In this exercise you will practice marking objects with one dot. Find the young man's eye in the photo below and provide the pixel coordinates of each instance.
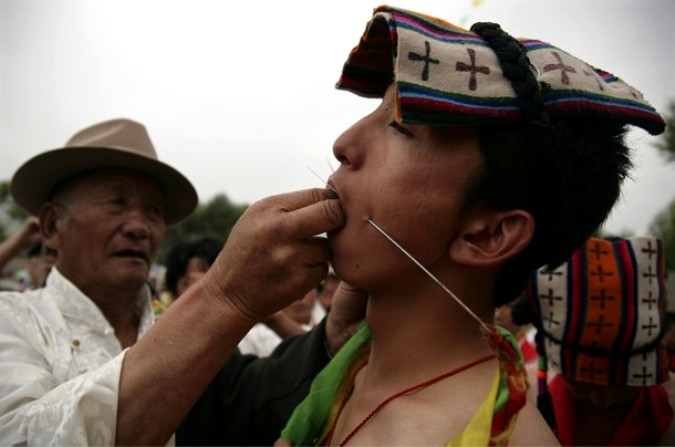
(402, 130)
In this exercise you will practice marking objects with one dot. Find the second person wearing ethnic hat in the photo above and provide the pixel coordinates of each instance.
(603, 378)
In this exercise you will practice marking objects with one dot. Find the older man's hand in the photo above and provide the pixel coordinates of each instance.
(273, 255)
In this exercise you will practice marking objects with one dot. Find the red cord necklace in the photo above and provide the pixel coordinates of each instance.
(424, 384)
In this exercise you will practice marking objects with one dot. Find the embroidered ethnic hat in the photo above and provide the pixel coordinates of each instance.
(602, 313)
(118, 143)
(446, 75)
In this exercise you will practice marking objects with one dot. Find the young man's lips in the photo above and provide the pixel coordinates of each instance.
(330, 185)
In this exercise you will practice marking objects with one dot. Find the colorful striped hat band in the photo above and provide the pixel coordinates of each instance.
(447, 75)
(602, 313)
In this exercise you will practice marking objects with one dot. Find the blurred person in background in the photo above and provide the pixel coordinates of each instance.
(602, 376)
(40, 261)
(27, 236)
(186, 262)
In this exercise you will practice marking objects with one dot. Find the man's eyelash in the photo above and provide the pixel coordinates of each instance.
(396, 125)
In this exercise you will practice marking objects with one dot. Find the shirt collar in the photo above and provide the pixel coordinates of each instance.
(76, 305)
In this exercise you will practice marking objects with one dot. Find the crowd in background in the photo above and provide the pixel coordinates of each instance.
(280, 334)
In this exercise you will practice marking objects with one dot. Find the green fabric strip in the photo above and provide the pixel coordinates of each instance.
(306, 422)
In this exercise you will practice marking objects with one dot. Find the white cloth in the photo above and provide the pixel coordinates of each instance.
(260, 340)
(60, 365)
(318, 313)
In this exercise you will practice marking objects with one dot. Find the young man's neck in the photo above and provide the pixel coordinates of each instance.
(428, 326)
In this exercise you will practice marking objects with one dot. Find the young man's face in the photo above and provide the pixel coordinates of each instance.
(409, 179)
(109, 226)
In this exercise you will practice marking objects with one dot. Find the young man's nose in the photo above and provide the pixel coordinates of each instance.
(349, 148)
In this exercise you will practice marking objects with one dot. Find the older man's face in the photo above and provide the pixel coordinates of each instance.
(109, 224)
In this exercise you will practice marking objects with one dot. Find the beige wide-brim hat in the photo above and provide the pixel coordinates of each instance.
(118, 143)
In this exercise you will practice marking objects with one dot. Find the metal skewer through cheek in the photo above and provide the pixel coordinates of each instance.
(412, 258)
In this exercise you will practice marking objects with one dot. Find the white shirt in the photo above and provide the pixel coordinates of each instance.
(60, 366)
(260, 340)
(318, 313)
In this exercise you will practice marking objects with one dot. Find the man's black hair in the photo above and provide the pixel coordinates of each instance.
(566, 172)
(180, 254)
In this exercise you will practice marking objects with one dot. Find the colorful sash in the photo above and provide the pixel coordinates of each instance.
(492, 424)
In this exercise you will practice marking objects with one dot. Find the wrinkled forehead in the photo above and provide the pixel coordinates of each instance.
(98, 182)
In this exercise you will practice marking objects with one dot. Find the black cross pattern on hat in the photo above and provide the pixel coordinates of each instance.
(550, 320)
(602, 297)
(601, 273)
(649, 250)
(649, 274)
(597, 252)
(650, 326)
(599, 325)
(649, 301)
(644, 376)
(550, 297)
(550, 273)
(598, 81)
(426, 58)
(564, 69)
(473, 69)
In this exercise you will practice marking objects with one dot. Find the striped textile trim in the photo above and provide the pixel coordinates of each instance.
(603, 312)
(447, 75)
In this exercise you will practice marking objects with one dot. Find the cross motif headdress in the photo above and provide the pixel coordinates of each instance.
(602, 313)
(447, 75)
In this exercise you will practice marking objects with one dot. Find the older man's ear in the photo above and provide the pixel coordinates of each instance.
(49, 223)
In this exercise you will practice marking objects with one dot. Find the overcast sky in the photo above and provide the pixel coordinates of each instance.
(240, 96)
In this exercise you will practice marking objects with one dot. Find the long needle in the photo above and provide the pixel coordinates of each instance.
(332, 169)
(412, 258)
(424, 269)
(322, 180)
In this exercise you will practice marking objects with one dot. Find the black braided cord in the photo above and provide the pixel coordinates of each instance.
(516, 67)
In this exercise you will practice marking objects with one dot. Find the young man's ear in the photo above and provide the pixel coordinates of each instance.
(491, 238)
(49, 223)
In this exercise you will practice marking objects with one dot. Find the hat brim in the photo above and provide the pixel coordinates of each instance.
(32, 184)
